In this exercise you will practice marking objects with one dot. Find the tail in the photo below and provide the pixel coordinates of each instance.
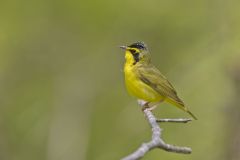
(181, 105)
(193, 116)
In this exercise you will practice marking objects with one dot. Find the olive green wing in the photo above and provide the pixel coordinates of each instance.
(151, 76)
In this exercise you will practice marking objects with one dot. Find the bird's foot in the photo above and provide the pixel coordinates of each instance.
(145, 106)
(149, 107)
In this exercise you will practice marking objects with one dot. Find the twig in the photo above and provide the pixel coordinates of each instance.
(179, 120)
(156, 141)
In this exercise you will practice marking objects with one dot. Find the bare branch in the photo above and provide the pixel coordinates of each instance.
(179, 120)
(157, 141)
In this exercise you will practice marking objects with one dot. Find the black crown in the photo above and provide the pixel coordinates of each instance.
(139, 45)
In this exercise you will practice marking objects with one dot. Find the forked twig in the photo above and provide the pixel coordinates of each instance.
(156, 141)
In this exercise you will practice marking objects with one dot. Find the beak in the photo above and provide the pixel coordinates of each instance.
(123, 47)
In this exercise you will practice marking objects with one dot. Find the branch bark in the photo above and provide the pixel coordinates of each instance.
(157, 141)
(179, 120)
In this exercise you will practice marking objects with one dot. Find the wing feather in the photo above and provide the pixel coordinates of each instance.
(151, 76)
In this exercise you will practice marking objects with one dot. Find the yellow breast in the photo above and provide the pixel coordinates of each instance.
(136, 87)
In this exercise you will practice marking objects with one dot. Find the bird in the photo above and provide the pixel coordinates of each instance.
(145, 82)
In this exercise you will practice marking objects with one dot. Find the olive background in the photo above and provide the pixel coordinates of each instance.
(63, 96)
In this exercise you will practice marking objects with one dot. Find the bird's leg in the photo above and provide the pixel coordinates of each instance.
(145, 106)
(149, 105)
(154, 105)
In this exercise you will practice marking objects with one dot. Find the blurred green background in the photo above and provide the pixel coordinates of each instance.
(62, 88)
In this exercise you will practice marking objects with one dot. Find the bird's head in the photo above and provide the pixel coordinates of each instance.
(136, 53)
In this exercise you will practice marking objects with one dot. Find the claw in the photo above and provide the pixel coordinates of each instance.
(145, 106)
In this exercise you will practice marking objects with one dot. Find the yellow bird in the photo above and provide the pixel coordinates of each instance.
(144, 81)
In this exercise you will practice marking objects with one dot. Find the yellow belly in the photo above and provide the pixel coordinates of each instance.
(139, 89)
